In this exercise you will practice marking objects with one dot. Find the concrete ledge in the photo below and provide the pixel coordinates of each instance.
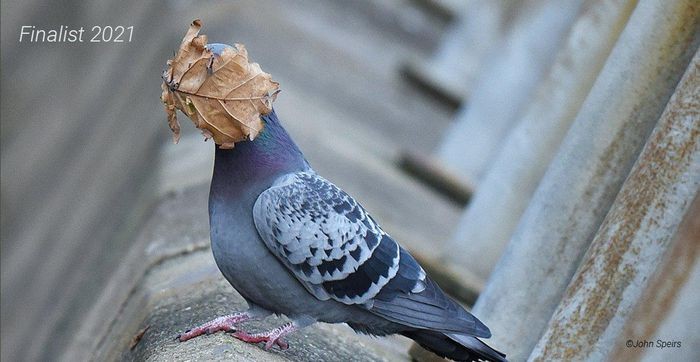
(188, 290)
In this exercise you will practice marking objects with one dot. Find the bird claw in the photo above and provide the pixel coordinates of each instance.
(271, 338)
(270, 341)
(281, 343)
(225, 323)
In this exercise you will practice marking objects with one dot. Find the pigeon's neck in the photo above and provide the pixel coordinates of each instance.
(252, 166)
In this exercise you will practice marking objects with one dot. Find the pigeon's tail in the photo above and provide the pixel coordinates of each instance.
(457, 347)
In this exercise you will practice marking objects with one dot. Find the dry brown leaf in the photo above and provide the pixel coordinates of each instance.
(223, 94)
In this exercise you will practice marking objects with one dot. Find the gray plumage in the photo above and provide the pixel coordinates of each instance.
(291, 242)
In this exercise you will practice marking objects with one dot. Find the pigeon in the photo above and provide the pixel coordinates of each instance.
(292, 243)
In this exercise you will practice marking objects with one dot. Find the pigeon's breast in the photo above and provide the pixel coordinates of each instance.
(240, 254)
(256, 273)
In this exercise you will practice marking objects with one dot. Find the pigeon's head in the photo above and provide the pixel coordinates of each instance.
(218, 88)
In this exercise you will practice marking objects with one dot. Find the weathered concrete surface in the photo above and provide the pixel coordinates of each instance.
(670, 306)
(178, 225)
(188, 290)
(509, 183)
(634, 236)
(593, 161)
(680, 325)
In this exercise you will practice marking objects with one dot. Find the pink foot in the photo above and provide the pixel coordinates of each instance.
(225, 323)
(271, 338)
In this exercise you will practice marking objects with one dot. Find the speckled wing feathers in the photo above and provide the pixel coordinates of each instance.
(326, 238)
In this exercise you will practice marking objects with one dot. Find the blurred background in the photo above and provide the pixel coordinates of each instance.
(512, 145)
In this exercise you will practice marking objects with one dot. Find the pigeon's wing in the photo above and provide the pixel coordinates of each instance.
(337, 251)
(325, 238)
